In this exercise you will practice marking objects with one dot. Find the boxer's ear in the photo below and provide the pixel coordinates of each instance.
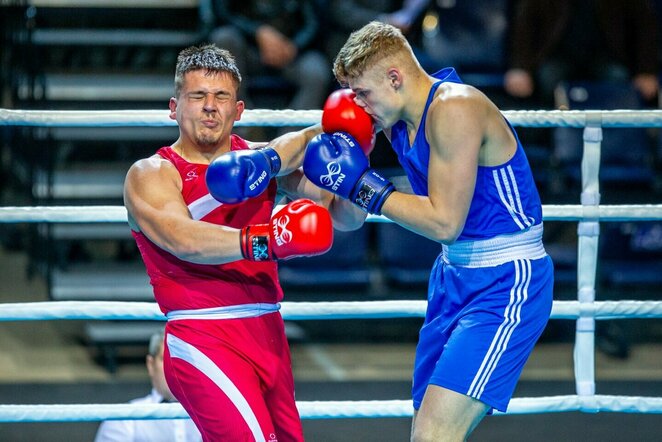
(172, 104)
(395, 78)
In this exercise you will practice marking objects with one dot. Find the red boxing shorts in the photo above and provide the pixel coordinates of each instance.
(233, 374)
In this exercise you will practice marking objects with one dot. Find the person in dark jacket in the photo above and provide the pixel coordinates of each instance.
(582, 40)
(276, 38)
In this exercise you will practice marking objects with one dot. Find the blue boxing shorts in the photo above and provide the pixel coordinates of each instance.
(481, 325)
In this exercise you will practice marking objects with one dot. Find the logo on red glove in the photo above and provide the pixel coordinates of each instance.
(281, 234)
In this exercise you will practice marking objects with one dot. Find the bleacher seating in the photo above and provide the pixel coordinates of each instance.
(631, 255)
(626, 153)
(406, 257)
(345, 266)
(94, 55)
(471, 36)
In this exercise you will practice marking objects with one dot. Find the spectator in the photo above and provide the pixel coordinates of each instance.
(277, 38)
(582, 40)
(466, 35)
(158, 430)
(345, 16)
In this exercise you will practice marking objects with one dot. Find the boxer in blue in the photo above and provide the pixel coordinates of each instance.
(490, 290)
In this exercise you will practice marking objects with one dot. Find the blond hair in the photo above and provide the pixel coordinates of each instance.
(367, 46)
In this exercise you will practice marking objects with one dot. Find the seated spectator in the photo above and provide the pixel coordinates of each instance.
(589, 40)
(470, 36)
(157, 430)
(275, 38)
(345, 16)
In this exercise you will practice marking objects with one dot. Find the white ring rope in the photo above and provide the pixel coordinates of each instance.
(297, 311)
(324, 409)
(117, 214)
(585, 310)
(143, 118)
(289, 117)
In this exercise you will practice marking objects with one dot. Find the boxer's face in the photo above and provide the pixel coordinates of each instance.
(376, 94)
(207, 108)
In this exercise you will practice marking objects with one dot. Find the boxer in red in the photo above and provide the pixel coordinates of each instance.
(200, 211)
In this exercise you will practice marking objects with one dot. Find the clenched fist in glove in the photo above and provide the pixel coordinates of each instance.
(335, 163)
(342, 114)
(241, 174)
(301, 228)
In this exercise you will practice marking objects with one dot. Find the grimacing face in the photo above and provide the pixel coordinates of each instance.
(206, 107)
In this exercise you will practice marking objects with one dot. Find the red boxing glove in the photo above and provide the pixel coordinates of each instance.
(301, 228)
(342, 114)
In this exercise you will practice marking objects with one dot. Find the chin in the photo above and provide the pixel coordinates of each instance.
(208, 141)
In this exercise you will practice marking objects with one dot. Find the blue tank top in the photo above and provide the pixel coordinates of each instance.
(505, 198)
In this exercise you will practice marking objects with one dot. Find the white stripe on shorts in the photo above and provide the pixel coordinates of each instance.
(511, 318)
(185, 351)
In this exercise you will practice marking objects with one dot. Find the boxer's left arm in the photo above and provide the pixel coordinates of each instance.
(346, 216)
(242, 174)
(291, 147)
(455, 139)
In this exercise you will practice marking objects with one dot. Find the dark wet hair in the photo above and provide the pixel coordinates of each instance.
(208, 57)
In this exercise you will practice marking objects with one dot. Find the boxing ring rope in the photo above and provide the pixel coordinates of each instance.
(117, 214)
(586, 310)
(300, 311)
(285, 117)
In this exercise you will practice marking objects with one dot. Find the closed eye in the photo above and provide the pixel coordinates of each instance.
(219, 96)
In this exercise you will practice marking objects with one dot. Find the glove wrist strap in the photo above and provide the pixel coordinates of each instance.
(273, 159)
(255, 243)
(371, 192)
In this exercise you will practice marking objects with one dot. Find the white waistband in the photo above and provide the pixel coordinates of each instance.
(229, 312)
(495, 251)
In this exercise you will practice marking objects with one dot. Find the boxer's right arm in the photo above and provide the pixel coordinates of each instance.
(301, 228)
(152, 196)
(345, 214)
(335, 163)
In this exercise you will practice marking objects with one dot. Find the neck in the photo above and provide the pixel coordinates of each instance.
(194, 153)
(415, 104)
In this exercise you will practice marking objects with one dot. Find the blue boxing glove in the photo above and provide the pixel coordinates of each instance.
(241, 174)
(336, 163)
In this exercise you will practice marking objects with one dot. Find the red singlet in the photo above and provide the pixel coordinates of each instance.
(227, 359)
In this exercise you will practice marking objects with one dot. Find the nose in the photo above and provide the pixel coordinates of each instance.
(209, 105)
(359, 102)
